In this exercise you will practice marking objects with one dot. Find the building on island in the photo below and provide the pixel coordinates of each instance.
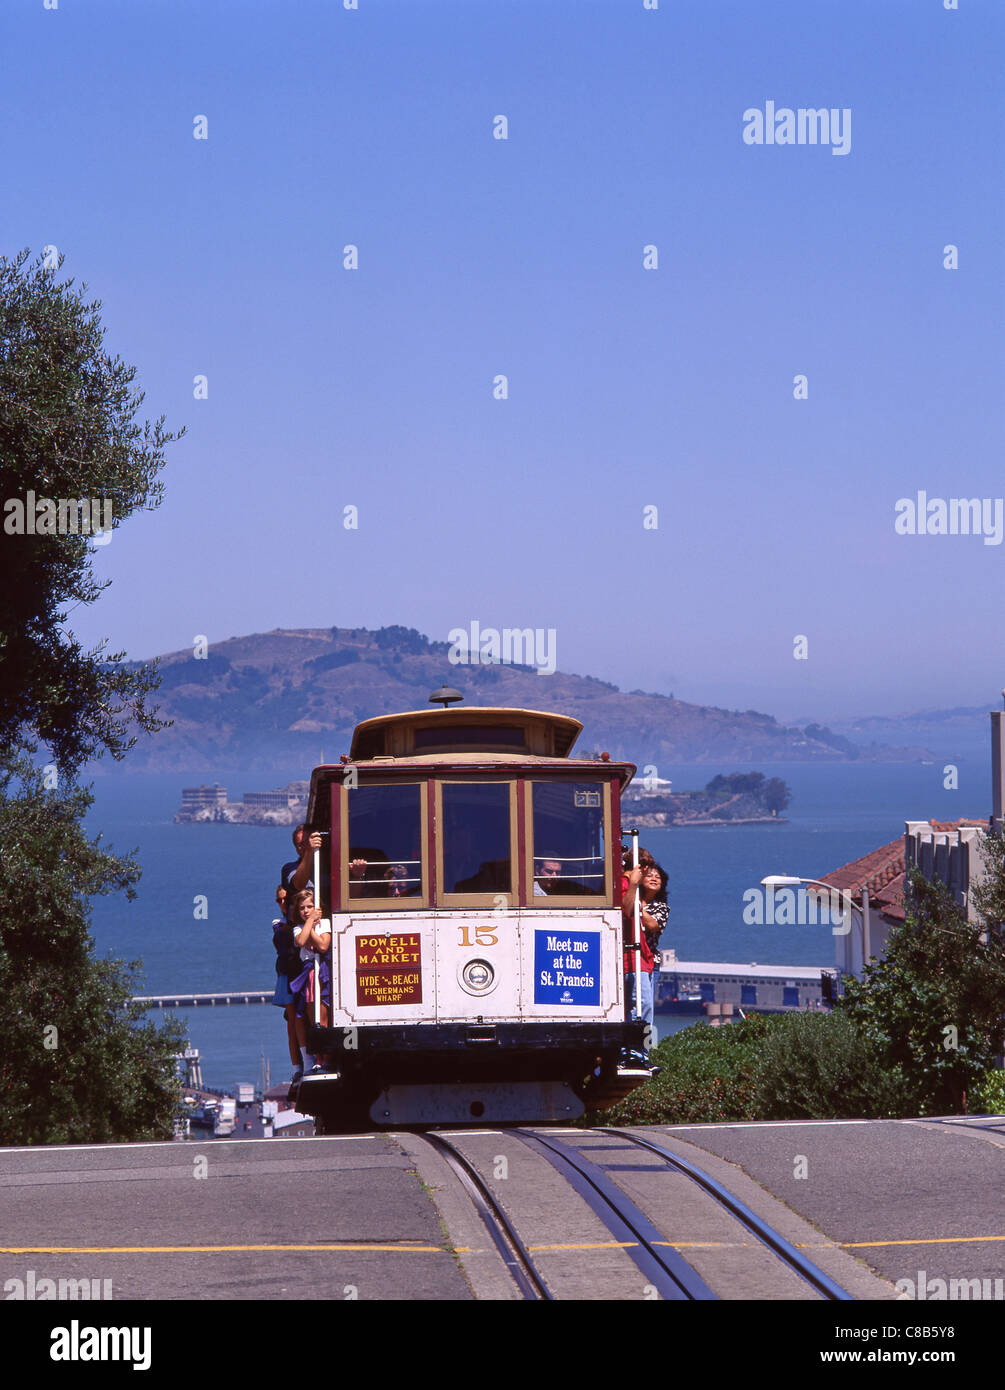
(199, 798)
(278, 800)
(281, 806)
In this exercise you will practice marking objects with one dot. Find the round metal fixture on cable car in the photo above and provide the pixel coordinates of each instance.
(445, 696)
(476, 977)
(478, 974)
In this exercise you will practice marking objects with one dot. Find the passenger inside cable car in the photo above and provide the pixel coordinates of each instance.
(385, 833)
(568, 824)
(546, 875)
(373, 875)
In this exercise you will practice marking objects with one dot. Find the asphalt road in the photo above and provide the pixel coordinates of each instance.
(375, 1217)
(905, 1196)
(132, 1213)
(580, 1257)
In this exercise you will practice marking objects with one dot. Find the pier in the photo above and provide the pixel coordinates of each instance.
(679, 984)
(193, 1001)
(692, 986)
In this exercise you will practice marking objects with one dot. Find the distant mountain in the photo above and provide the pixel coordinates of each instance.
(958, 732)
(273, 702)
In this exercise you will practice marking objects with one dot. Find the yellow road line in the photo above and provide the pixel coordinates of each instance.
(217, 1249)
(934, 1240)
(458, 1250)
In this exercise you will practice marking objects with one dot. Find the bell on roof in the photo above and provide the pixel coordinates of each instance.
(445, 697)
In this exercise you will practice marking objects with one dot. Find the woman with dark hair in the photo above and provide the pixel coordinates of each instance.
(650, 881)
(655, 911)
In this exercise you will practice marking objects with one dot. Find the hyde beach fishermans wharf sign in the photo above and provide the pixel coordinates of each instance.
(389, 969)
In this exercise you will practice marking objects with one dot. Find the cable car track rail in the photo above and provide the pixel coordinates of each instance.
(663, 1267)
(775, 1242)
(511, 1248)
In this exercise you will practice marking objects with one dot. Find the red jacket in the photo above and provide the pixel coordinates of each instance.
(645, 955)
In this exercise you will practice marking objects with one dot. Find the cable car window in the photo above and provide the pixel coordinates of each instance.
(476, 837)
(385, 841)
(568, 839)
(468, 735)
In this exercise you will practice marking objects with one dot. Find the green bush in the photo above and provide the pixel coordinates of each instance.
(764, 1067)
(932, 1009)
(820, 1066)
(988, 1096)
(708, 1075)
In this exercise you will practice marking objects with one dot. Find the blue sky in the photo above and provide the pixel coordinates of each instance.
(627, 387)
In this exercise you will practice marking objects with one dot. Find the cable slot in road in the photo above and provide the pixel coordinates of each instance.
(669, 1274)
(794, 1258)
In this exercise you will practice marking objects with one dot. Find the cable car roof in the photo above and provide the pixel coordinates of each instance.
(467, 729)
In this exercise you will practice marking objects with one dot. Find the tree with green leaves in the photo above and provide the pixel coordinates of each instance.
(988, 894)
(776, 795)
(67, 432)
(933, 1011)
(75, 1061)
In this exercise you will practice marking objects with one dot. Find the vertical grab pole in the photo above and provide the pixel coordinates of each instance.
(317, 958)
(636, 925)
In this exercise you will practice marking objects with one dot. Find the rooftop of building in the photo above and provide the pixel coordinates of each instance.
(882, 870)
(875, 870)
(964, 821)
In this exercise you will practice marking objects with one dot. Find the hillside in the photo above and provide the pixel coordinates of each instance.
(959, 733)
(273, 702)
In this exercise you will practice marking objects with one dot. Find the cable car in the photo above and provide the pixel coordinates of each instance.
(471, 875)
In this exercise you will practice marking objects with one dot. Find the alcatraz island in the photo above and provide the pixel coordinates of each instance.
(283, 806)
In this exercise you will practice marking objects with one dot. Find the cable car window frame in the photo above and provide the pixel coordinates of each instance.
(599, 900)
(410, 902)
(487, 899)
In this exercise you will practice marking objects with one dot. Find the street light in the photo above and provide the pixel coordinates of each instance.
(773, 881)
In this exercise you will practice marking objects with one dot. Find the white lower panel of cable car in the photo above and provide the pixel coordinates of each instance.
(493, 1102)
